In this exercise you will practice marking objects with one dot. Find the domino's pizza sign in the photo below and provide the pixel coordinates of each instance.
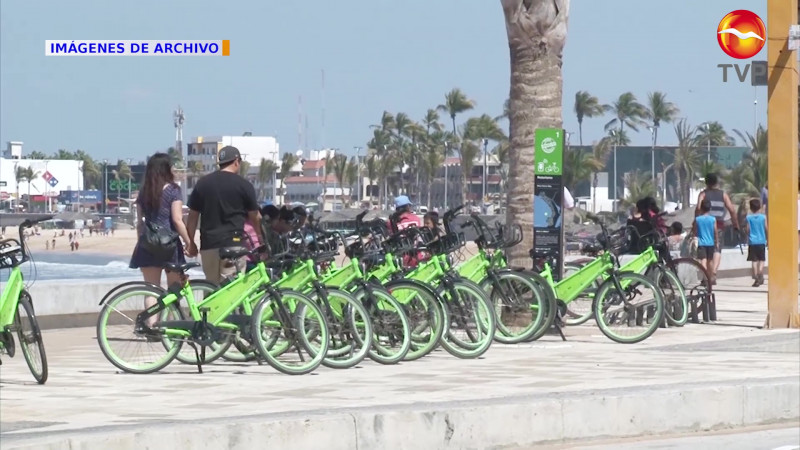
(50, 179)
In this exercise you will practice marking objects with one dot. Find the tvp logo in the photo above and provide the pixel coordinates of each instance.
(741, 34)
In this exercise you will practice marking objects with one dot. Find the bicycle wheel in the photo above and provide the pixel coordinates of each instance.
(695, 280)
(550, 305)
(579, 311)
(519, 306)
(201, 289)
(350, 329)
(676, 308)
(426, 315)
(30, 338)
(472, 324)
(391, 338)
(627, 308)
(284, 320)
(117, 316)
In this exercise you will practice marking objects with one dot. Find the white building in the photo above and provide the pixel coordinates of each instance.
(253, 148)
(50, 176)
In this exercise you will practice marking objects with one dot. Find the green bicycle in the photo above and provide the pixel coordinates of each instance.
(248, 307)
(16, 307)
(613, 302)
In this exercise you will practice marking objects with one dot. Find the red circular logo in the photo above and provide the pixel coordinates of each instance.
(741, 34)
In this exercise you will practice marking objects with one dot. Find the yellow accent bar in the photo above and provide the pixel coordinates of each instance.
(226, 47)
(782, 166)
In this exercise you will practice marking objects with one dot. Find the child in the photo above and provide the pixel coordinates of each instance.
(675, 237)
(705, 228)
(757, 231)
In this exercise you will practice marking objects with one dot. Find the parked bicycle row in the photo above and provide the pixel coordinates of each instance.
(398, 297)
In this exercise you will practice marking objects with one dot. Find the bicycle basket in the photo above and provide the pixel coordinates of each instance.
(619, 241)
(11, 254)
(448, 243)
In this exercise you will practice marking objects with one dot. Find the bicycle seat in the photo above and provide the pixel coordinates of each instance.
(233, 252)
(175, 267)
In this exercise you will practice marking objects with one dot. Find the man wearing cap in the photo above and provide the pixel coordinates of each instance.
(224, 200)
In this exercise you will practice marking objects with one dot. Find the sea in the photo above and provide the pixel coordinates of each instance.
(47, 266)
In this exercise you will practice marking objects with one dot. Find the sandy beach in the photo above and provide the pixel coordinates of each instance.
(120, 244)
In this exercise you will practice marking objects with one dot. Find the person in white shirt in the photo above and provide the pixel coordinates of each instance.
(568, 202)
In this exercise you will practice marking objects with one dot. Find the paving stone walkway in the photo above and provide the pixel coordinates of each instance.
(85, 391)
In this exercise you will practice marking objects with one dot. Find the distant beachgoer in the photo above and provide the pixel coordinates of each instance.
(77, 244)
(159, 202)
(54, 243)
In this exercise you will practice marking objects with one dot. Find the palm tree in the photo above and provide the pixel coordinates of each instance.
(586, 105)
(20, 174)
(371, 165)
(244, 168)
(639, 185)
(266, 171)
(124, 174)
(455, 102)
(627, 112)
(288, 161)
(660, 110)
(477, 130)
(196, 169)
(351, 175)
(687, 160)
(175, 158)
(92, 174)
(579, 165)
(339, 168)
(537, 31)
(756, 157)
(600, 152)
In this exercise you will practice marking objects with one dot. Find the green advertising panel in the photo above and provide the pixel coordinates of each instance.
(549, 153)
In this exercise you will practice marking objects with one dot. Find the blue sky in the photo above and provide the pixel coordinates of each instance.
(377, 55)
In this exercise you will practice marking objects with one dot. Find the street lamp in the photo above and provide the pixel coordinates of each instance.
(615, 133)
(707, 126)
(105, 186)
(446, 152)
(358, 175)
(485, 166)
(653, 129)
(130, 180)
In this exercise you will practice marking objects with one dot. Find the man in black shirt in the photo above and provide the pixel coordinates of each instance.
(224, 200)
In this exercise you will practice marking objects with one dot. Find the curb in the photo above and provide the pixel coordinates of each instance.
(491, 423)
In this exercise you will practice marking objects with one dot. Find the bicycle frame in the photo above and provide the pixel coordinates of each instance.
(240, 292)
(10, 297)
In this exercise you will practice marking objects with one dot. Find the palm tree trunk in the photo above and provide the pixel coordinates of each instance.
(594, 193)
(536, 96)
(580, 132)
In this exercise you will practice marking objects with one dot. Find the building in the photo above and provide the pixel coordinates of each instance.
(201, 154)
(310, 184)
(48, 178)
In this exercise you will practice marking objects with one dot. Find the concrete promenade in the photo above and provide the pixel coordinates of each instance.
(698, 377)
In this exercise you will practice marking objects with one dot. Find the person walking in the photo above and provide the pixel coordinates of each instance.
(159, 202)
(705, 229)
(221, 202)
(719, 203)
(757, 241)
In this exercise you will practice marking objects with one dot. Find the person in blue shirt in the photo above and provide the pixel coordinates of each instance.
(705, 229)
(757, 249)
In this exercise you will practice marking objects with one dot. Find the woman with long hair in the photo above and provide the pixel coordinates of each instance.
(159, 202)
